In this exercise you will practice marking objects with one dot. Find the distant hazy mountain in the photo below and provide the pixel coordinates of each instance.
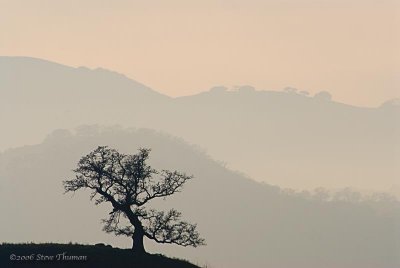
(293, 140)
(285, 138)
(244, 222)
(37, 96)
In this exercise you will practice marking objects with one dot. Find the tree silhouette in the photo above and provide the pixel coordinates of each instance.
(128, 183)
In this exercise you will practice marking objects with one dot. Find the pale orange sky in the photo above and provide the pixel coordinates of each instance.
(349, 48)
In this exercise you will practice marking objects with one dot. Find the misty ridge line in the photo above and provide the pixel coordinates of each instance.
(85, 132)
(321, 95)
(346, 194)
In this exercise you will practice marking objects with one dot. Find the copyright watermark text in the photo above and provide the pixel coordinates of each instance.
(43, 257)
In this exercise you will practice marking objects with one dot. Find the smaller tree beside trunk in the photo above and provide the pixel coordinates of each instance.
(129, 184)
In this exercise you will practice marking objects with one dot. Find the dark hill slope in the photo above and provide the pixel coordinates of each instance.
(81, 256)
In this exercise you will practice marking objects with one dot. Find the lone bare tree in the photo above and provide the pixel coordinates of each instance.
(128, 183)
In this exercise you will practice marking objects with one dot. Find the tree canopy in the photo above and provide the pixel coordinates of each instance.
(129, 183)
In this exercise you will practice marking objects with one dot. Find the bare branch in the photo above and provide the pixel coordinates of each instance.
(167, 228)
(170, 183)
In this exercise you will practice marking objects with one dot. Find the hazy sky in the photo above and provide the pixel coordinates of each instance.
(348, 47)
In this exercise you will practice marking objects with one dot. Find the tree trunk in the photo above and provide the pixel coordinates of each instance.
(138, 246)
(138, 234)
